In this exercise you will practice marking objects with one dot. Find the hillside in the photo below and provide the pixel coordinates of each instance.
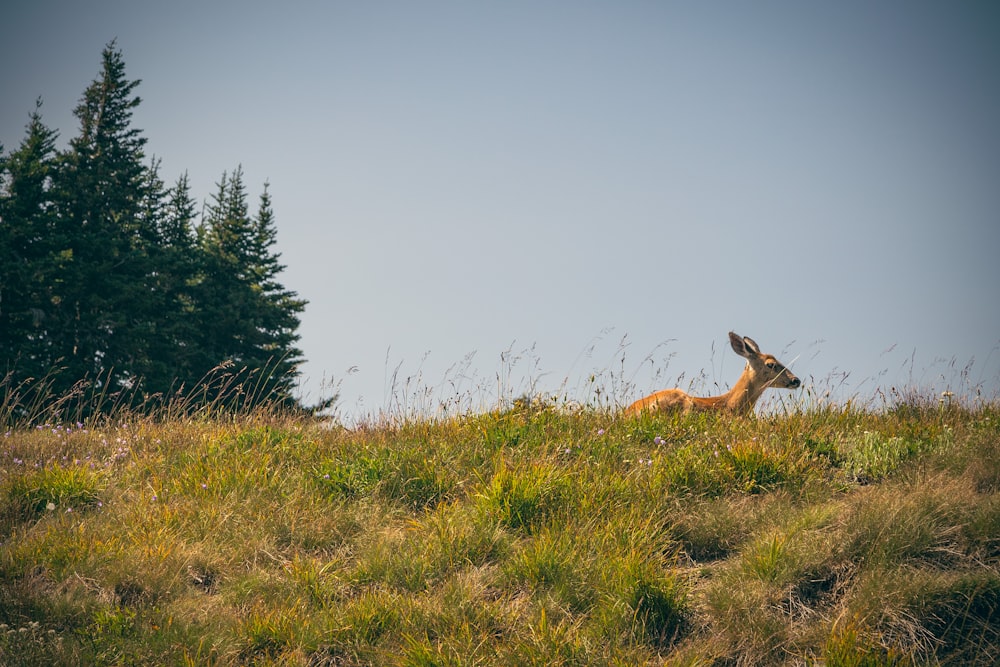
(526, 537)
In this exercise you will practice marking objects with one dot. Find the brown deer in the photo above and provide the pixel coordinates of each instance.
(762, 371)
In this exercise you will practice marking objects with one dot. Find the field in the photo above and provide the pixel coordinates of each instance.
(527, 536)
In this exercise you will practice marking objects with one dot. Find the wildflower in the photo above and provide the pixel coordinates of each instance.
(204, 486)
(658, 440)
(600, 431)
(50, 506)
(326, 476)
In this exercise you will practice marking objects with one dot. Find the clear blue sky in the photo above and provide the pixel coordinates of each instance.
(555, 178)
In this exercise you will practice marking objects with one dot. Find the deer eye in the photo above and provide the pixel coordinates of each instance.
(770, 365)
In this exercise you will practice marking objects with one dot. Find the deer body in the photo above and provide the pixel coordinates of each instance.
(762, 371)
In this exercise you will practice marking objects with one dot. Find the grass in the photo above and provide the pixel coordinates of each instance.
(529, 536)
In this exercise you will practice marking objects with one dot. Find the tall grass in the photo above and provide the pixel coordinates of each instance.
(528, 534)
(226, 390)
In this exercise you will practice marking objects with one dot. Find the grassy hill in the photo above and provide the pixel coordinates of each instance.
(526, 537)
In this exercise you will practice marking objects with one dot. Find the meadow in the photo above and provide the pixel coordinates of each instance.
(527, 535)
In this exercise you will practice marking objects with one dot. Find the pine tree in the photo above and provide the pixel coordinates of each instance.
(101, 312)
(253, 318)
(177, 360)
(104, 276)
(31, 251)
(150, 347)
(280, 308)
(223, 300)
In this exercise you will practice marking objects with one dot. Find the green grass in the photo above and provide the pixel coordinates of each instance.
(524, 537)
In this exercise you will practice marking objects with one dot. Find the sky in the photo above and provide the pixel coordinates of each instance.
(485, 199)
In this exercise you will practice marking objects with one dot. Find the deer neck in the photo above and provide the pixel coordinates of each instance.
(744, 394)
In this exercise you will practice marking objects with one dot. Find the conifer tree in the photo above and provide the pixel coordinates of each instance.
(223, 298)
(177, 360)
(105, 277)
(254, 318)
(150, 349)
(31, 250)
(279, 307)
(106, 181)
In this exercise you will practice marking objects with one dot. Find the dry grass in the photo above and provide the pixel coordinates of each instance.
(525, 536)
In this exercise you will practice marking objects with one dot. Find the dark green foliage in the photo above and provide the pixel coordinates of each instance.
(251, 318)
(99, 305)
(30, 250)
(110, 289)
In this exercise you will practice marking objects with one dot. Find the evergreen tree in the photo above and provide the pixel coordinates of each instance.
(255, 318)
(224, 305)
(150, 349)
(106, 182)
(30, 252)
(177, 360)
(279, 307)
(104, 276)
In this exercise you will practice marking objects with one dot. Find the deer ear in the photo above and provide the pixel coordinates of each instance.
(739, 346)
(751, 345)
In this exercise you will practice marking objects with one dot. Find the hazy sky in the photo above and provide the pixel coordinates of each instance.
(597, 187)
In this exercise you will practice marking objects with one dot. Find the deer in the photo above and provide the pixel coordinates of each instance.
(762, 371)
